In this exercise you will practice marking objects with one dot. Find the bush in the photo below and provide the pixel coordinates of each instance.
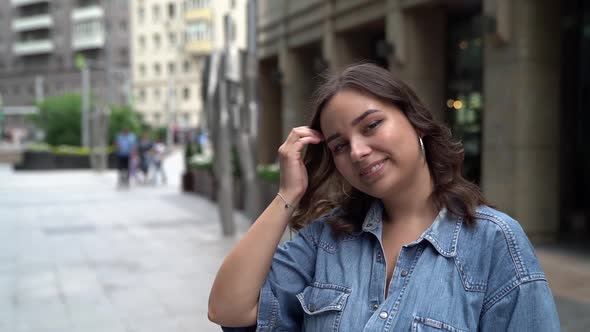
(205, 162)
(124, 117)
(269, 173)
(69, 150)
(60, 118)
(201, 161)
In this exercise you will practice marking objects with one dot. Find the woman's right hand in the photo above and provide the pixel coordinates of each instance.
(293, 173)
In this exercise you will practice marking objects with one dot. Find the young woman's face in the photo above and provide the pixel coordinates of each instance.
(374, 146)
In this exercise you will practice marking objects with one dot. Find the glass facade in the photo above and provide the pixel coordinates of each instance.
(464, 104)
(575, 119)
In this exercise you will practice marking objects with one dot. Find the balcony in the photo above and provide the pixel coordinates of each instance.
(198, 14)
(87, 13)
(198, 47)
(32, 23)
(87, 42)
(18, 3)
(32, 47)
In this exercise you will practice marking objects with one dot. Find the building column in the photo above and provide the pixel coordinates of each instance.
(521, 104)
(418, 41)
(270, 111)
(293, 89)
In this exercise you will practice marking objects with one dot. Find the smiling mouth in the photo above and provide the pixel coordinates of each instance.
(373, 169)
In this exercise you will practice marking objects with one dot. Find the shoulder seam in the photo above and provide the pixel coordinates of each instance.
(513, 248)
(490, 301)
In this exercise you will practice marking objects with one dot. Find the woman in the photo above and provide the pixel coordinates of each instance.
(404, 243)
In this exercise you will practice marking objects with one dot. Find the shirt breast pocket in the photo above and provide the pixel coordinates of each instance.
(421, 324)
(323, 305)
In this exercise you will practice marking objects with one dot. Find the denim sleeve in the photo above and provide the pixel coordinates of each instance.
(526, 307)
(292, 269)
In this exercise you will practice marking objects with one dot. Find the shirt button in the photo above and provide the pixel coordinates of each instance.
(311, 307)
(383, 314)
(404, 273)
(375, 306)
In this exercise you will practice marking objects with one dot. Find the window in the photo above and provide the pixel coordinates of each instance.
(157, 69)
(123, 25)
(233, 4)
(171, 10)
(186, 66)
(172, 38)
(141, 95)
(155, 12)
(123, 55)
(171, 68)
(198, 30)
(157, 94)
(142, 70)
(142, 42)
(198, 4)
(87, 29)
(157, 41)
(186, 93)
(157, 116)
(140, 14)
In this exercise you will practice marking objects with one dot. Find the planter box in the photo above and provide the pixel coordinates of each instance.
(72, 161)
(203, 183)
(33, 160)
(43, 160)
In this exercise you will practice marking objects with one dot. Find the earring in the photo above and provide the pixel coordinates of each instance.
(422, 146)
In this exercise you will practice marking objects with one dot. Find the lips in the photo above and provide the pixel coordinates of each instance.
(372, 168)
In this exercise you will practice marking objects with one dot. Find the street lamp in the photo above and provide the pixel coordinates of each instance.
(85, 72)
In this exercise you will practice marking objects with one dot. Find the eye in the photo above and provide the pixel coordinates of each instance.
(373, 125)
(338, 148)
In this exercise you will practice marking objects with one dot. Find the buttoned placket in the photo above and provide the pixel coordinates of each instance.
(388, 305)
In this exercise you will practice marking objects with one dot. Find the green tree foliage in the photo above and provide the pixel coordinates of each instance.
(124, 117)
(60, 118)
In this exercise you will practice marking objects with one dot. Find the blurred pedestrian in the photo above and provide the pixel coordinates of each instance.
(392, 237)
(145, 156)
(125, 145)
(159, 154)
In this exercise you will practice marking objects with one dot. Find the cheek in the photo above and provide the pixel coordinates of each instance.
(342, 166)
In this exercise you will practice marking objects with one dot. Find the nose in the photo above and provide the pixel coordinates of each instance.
(359, 150)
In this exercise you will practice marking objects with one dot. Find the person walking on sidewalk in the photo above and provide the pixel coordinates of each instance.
(144, 150)
(125, 144)
(391, 236)
(159, 154)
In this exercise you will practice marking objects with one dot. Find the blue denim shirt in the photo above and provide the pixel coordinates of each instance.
(454, 277)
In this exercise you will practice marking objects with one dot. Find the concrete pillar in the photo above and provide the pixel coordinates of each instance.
(270, 123)
(296, 84)
(521, 105)
(418, 38)
(345, 48)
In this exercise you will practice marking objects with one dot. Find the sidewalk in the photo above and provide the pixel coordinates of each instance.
(76, 254)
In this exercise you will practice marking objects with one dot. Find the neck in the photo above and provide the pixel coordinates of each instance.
(413, 204)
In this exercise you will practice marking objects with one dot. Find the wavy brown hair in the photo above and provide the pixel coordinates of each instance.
(328, 190)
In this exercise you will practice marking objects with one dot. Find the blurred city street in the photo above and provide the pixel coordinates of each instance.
(76, 254)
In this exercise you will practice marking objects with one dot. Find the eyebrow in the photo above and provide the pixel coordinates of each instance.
(353, 123)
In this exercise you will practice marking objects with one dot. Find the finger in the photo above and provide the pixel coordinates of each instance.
(307, 131)
(300, 132)
(302, 142)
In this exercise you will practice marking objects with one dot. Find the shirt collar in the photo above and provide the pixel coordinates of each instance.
(442, 234)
